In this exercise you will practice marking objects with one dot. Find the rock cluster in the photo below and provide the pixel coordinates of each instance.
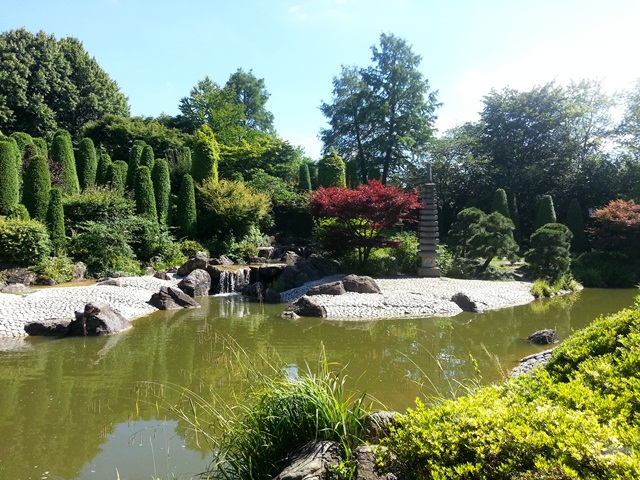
(94, 320)
(528, 363)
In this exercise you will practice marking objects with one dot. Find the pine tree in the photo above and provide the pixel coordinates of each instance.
(575, 222)
(331, 170)
(515, 216)
(55, 220)
(546, 212)
(186, 213)
(304, 179)
(143, 194)
(117, 176)
(206, 154)
(62, 155)
(37, 184)
(9, 184)
(104, 160)
(147, 158)
(161, 188)
(87, 163)
(500, 203)
(134, 162)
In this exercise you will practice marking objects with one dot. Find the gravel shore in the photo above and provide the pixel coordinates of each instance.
(404, 297)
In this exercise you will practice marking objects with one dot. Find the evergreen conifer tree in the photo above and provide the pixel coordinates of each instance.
(41, 145)
(143, 194)
(37, 184)
(351, 174)
(9, 184)
(87, 163)
(55, 220)
(575, 222)
(161, 188)
(206, 154)
(134, 162)
(515, 216)
(304, 179)
(186, 212)
(500, 203)
(546, 212)
(104, 160)
(62, 154)
(117, 176)
(147, 158)
(331, 170)
(313, 175)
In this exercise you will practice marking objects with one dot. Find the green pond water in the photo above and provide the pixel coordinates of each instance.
(74, 409)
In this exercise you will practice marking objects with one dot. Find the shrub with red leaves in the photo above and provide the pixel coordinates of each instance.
(359, 216)
(616, 227)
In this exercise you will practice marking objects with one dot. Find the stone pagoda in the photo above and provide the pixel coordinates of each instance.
(428, 229)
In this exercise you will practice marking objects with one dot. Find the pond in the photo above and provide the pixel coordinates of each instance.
(73, 408)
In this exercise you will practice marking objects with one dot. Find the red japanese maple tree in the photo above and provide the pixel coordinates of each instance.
(616, 227)
(359, 216)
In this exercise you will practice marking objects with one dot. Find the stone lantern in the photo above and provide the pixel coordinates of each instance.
(428, 229)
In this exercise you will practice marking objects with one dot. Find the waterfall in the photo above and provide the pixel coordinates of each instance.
(232, 281)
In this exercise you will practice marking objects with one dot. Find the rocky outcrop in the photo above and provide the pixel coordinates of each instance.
(94, 320)
(196, 284)
(360, 284)
(172, 298)
(543, 337)
(199, 261)
(314, 461)
(333, 288)
(307, 307)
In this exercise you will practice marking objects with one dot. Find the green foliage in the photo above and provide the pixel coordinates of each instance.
(117, 176)
(206, 155)
(406, 253)
(186, 214)
(331, 170)
(9, 185)
(190, 247)
(351, 174)
(607, 269)
(466, 226)
(87, 163)
(515, 217)
(304, 179)
(25, 242)
(147, 158)
(247, 247)
(62, 156)
(54, 84)
(102, 171)
(500, 203)
(229, 209)
(97, 204)
(444, 260)
(60, 269)
(161, 188)
(143, 194)
(19, 212)
(104, 248)
(179, 160)
(313, 175)
(575, 222)
(134, 162)
(149, 240)
(542, 288)
(23, 140)
(41, 146)
(549, 258)
(37, 183)
(55, 221)
(545, 213)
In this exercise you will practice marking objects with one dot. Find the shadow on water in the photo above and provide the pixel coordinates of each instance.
(72, 408)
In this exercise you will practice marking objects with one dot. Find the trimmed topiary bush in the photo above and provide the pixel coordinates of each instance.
(104, 160)
(147, 159)
(117, 176)
(37, 183)
(546, 213)
(97, 204)
(134, 162)
(515, 217)
(161, 188)
(500, 203)
(304, 179)
(62, 155)
(575, 222)
(9, 184)
(331, 170)
(55, 220)
(87, 163)
(185, 218)
(206, 154)
(549, 257)
(143, 194)
(25, 242)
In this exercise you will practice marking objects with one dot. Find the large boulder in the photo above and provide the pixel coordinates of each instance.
(97, 319)
(306, 307)
(543, 337)
(172, 298)
(79, 271)
(367, 468)
(48, 328)
(196, 284)
(360, 284)
(199, 261)
(465, 303)
(333, 288)
(291, 258)
(377, 425)
(314, 461)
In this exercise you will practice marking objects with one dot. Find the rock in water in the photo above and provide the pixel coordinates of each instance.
(196, 284)
(97, 319)
(543, 337)
(172, 298)
(465, 303)
(306, 307)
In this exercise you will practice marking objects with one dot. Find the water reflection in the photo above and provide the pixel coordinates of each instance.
(69, 407)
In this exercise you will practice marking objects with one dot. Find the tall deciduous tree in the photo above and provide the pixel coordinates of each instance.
(47, 84)
(385, 113)
(37, 184)
(250, 92)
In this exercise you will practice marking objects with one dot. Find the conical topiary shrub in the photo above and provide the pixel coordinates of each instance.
(62, 155)
(87, 163)
(36, 187)
(186, 212)
(575, 222)
(546, 212)
(143, 194)
(331, 170)
(9, 184)
(161, 188)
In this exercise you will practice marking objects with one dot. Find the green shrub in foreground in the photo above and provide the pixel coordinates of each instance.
(60, 269)
(25, 242)
(578, 419)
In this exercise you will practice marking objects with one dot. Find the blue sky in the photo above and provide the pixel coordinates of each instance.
(158, 50)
